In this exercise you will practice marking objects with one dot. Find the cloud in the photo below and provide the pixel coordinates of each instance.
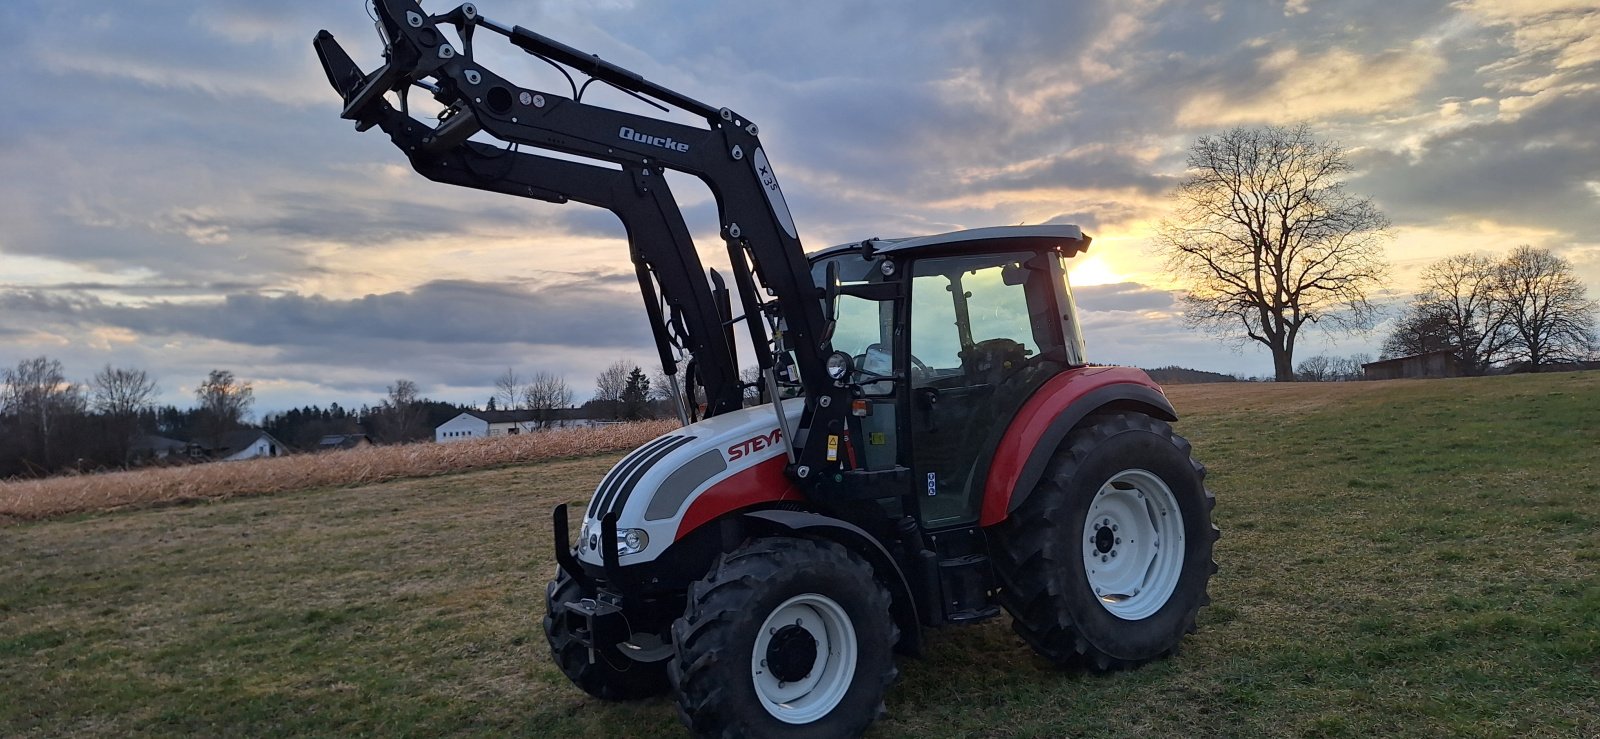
(179, 175)
(1288, 85)
(1532, 171)
(1125, 297)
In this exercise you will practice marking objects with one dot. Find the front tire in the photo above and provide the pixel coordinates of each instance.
(612, 676)
(784, 638)
(1083, 570)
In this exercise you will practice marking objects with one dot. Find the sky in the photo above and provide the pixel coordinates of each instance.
(178, 193)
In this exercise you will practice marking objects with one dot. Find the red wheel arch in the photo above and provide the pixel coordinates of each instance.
(1048, 415)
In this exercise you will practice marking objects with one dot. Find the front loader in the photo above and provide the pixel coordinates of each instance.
(931, 447)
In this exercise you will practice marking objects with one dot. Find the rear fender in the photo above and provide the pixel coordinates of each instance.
(1039, 427)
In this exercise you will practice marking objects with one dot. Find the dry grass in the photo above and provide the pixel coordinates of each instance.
(35, 499)
(1414, 558)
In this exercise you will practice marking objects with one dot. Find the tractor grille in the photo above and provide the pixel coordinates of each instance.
(619, 482)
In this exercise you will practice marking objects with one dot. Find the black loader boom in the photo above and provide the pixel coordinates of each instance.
(782, 306)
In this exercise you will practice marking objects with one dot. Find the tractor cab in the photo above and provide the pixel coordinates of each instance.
(943, 338)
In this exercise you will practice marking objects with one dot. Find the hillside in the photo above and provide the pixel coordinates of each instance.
(1398, 558)
(1186, 376)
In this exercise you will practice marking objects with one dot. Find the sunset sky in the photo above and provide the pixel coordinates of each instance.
(179, 193)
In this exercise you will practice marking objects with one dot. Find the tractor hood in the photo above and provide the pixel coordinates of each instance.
(668, 486)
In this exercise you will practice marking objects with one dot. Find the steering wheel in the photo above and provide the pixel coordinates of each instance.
(917, 365)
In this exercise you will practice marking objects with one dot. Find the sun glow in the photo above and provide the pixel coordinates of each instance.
(1092, 270)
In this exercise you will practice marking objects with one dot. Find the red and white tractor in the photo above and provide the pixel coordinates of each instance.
(931, 446)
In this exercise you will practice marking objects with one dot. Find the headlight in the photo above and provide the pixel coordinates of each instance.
(632, 541)
(838, 365)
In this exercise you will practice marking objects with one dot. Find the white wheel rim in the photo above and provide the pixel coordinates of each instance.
(1133, 544)
(808, 698)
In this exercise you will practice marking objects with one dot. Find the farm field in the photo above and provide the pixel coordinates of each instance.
(1398, 558)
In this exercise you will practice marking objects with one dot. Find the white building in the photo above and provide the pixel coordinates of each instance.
(246, 444)
(483, 424)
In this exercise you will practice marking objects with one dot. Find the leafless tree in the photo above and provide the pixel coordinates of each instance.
(1420, 329)
(753, 383)
(1316, 369)
(1350, 368)
(118, 395)
(1547, 308)
(120, 392)
(1459, 309)
(508, 390)
(1269, 239)
(666, 391)
(610, 383)
(224, 403)
(38, 401)
(400, 416)
(545, 394)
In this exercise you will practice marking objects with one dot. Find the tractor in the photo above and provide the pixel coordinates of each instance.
(931, 446)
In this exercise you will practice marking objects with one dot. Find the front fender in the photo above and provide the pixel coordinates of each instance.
(1048, 416)
(803, 523)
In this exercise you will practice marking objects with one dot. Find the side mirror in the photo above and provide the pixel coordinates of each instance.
(830, 300)
(830, 292)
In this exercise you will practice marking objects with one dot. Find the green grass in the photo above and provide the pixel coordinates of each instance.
(1416, 558)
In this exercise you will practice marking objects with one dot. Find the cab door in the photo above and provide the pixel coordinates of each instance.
(986, 331)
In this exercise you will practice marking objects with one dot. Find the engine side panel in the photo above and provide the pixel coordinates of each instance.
(677, 482)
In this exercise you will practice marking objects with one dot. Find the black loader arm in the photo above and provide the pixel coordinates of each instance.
(762, 242)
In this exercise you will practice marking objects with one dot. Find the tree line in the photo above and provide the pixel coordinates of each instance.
(50, 423)
(1528, 311)
(622, 391)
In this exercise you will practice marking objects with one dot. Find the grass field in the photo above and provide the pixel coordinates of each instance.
(1414, 558)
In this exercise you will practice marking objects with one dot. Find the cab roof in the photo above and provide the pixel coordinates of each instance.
(1069, 239)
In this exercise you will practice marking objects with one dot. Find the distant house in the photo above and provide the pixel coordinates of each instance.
(1440, 363)
(343, 441)
(245, 444)
(150, 446)
(483, 424)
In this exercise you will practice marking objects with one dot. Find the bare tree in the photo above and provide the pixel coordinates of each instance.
(1460, 307)
(1547, 308)
(1422, 328)
(38, 401)
(545, 394)
(400, 415)
(1270, 240)
(753, 383)
(118, 395)
(224, 403)
(508, 390)
(120, 392)
(1316, 369)
(1350, 368)
(609, 386)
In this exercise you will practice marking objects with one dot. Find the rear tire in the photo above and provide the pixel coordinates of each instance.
(784, 638)
(613, 676)
(1130, 472)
